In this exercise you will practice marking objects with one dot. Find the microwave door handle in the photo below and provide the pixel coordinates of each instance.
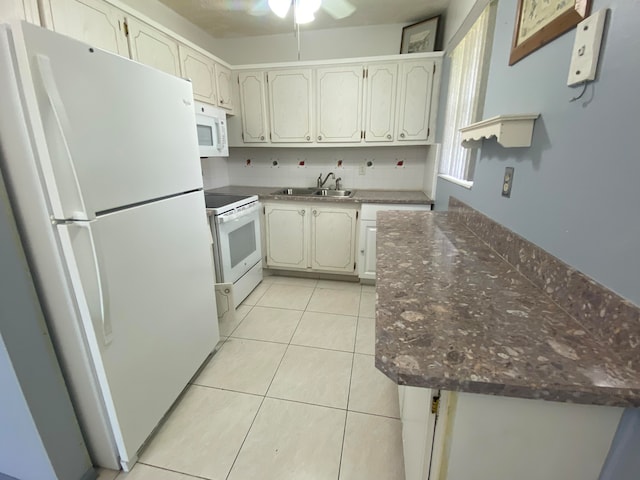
(223, 137)
(218, 134)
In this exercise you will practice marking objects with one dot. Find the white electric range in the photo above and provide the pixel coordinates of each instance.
(237, 249)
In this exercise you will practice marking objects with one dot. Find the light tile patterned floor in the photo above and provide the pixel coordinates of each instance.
(291, 394)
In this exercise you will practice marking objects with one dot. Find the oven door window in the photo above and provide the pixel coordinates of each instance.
(242, 243)
(238, 246)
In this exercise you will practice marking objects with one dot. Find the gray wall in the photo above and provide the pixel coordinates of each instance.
(575, 190)
(39, 434)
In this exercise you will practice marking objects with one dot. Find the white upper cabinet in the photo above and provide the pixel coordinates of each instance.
(200, 70)
(339, 103)
(415, 101)
(253, 107)
(150, 46)
(22, 9)
(380, 104)
(224, 83)
(92, 21)
(290, 105)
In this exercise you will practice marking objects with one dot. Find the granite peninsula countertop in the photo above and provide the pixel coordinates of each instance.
(406, 197)
(453, 314)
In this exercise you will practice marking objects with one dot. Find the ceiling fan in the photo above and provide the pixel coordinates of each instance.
(304, 10)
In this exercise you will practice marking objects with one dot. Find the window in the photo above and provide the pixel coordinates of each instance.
(467, 79)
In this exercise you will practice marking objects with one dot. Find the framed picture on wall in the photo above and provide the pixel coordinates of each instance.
(537, 23)
(420, 37)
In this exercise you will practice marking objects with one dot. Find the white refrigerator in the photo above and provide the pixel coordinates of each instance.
(101, 158)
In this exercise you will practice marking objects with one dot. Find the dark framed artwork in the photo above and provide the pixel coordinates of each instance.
(421, 36)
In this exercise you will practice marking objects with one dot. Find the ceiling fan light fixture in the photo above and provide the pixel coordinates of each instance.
(304, 10)
(280, 7)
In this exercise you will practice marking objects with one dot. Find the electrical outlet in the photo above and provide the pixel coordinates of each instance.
(507, 181)
(586, 49)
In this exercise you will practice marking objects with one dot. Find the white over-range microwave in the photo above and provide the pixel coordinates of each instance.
(212, 130)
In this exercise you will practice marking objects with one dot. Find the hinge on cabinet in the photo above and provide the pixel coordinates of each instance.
(434, 68)
(126, 28)
(354, 265)
(435, 404)
(264, 210)
(242, 135)
(428, 132)
(361, 133)
(357, 215)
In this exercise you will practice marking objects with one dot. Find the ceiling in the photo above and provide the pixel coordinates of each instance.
(243, 18)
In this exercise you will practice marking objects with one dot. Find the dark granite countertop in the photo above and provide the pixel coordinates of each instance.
(452, 314)
(407, 197)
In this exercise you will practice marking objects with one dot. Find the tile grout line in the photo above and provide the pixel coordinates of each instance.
(165, 469)
(264, 397)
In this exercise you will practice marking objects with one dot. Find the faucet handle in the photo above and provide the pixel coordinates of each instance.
(338, 186)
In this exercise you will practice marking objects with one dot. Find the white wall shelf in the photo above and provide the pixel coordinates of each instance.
(509, 130)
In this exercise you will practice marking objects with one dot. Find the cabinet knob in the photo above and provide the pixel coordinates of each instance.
(301, 212)
(262, 137)
(315, 213)
(221, 101)
(308, 138)
(402, 135)
(389, 136)
(362, 252)
(319, 137)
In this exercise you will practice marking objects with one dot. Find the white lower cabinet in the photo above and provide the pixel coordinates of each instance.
(312, 237)
(287, 232)
(486, 437)
(367, 242)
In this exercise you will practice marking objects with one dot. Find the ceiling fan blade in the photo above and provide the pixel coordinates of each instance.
(338, 8)
(259, 8)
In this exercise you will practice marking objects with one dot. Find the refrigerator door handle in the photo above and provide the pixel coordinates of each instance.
(62, 122)
(105, 318)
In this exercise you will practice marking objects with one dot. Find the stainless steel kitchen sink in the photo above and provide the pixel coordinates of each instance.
(314, 192)
(334, 193)
(296, 191)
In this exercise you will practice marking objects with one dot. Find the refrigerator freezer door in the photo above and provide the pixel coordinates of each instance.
(150, 313)
(110, 132)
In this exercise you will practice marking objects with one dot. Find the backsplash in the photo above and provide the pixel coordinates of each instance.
(280, 167)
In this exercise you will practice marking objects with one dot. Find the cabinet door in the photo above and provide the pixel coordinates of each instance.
(21, 9)
(223, 81)
(92, 21)
(200, 70)
(253, 107)
(414, 109)
(418, 425)
(290, 109)
(367, 249)
(152, 47)
(380, 106)
(339, 104)
(287, 235)
(333, 239)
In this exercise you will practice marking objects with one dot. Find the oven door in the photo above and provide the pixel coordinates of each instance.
(239, 247)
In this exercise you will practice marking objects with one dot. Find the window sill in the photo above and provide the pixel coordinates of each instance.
(463, 183)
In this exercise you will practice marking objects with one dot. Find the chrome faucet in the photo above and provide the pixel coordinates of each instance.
(322, 182)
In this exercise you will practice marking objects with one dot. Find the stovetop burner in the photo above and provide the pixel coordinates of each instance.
(221, 203)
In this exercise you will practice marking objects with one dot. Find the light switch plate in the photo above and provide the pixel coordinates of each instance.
(586, 49)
